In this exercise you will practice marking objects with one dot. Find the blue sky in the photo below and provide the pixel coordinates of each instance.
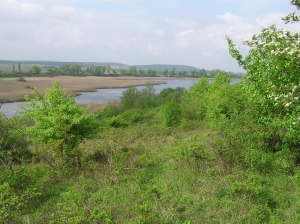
(135, 32)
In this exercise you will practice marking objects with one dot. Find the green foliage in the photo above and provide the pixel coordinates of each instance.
(71, 207)
(13, 144)
(129, 98)
(172, 113)
(292, 17)
(58, 121)
(169, 94)
(133, 98)
(12, 203)
(194, 101)
(272, 82)
(35, 71)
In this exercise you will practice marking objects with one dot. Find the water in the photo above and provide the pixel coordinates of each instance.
(105, 95)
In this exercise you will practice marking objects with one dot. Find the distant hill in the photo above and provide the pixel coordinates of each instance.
(112, 64)
(169, 67)
(59, 63)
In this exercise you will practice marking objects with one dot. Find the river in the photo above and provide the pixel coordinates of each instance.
(105, 95)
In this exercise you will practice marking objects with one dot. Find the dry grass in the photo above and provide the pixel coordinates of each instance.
(12, 90)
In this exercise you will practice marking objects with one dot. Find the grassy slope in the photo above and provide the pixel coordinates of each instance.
(148, 173)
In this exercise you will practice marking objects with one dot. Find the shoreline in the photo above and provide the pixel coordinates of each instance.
(12, 91)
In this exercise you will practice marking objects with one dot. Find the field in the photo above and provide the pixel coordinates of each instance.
(13, 90)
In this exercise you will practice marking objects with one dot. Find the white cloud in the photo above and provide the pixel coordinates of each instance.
(14, 8)
(228, 17)
(153, 49)
(63, 9)
(253, 4)
(160, 32)
(31, 8)
(184, 33)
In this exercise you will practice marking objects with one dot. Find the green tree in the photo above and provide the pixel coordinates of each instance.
(193, 73)
(58, 121)
(123, 72)
(35, 71)
(65, 69)
(51, 72)
(202, 72)
(165, 72)
(141, 72)
(129, 98)
(132, 71)
(173, 72)
(76, 69)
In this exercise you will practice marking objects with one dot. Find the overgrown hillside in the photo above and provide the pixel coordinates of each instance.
(216, 153)
(196, 156)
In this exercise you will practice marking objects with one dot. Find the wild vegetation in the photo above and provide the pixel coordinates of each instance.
(215, 153)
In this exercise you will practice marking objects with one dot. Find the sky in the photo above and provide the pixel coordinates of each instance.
(135, 32)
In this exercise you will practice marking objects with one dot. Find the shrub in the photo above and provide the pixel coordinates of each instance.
(21, 79)
(58, 121)
(273, 83)
(13, 144)
(12, 203)
(172, 113)
(129, 98)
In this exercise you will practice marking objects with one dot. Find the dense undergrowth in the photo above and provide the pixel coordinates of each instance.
(182, 156)
(215, 153)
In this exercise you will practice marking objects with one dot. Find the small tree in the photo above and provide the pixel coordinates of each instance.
(58, 121)
(35, 71)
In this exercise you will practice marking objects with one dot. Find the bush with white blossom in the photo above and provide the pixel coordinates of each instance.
(273, 78)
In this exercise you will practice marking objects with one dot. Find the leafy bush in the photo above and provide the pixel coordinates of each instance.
(12, 203)
(273, 82)
(194, 101)
(13, 144)
(172, 113)
(129, 98)
(58, 121)
(169, 94)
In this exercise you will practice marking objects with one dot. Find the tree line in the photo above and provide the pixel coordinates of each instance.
(78, 70)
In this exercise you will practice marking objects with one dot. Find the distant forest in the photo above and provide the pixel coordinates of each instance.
(51, 69)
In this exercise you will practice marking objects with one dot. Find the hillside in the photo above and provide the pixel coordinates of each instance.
(195, 156)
